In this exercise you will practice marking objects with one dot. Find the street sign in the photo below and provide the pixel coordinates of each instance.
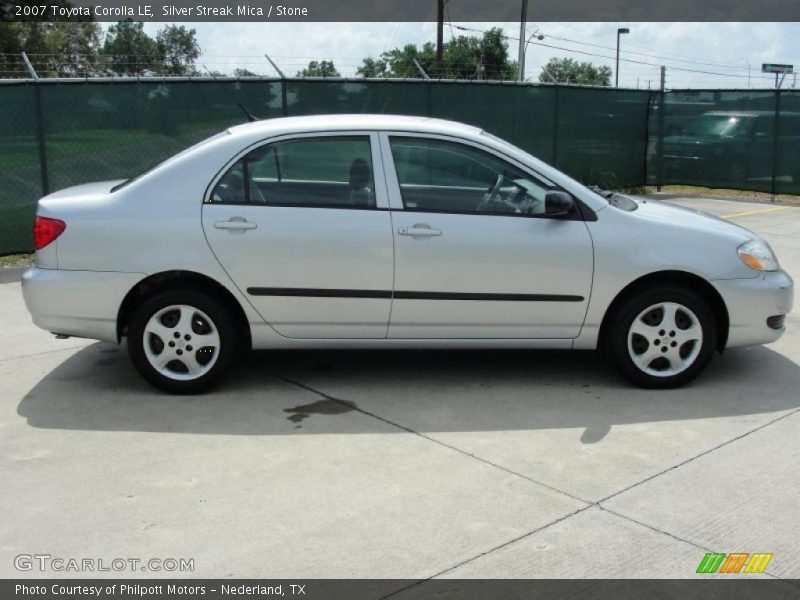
(773, 68)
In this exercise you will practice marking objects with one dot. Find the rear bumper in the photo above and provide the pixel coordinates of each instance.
(77, 303)
(751, 302)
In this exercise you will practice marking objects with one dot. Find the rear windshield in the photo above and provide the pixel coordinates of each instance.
(119, 186)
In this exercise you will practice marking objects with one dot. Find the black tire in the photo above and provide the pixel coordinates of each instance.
(221, 323)
(695, 360)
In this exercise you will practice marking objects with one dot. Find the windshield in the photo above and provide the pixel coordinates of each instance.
(718, 126)
(163, 162)
(594, 189)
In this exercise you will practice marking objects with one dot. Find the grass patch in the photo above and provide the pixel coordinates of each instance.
(16, 261)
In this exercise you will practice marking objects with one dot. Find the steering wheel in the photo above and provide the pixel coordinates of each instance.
(489, 196)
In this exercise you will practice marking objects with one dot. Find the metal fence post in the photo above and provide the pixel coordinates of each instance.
(555, 125)
(40, 138)
(662, 108)
(516, 91)
(428, 97)
(647, 115)
(775, 133)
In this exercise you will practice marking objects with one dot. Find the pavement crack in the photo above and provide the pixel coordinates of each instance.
(352, 406)
(672, 535)
(349, 405)
(45, 353)
(489, 551)
(700, 455)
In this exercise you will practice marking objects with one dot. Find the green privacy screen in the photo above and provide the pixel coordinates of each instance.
(746, 139)
(58, 134)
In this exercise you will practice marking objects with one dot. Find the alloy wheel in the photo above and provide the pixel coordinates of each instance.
(181, 342)
(665, 339)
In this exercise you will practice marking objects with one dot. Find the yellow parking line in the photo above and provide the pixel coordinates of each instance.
(754, 212)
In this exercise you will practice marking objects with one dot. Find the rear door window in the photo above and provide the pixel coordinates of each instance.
(330, 171)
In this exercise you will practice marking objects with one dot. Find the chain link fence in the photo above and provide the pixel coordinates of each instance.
(58, 133)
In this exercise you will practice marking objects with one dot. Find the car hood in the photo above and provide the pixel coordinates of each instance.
(659, 211)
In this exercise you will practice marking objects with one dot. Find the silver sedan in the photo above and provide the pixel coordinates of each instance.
(360, 231)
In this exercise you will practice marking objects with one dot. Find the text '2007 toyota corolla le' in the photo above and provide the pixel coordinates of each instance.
(358, 231)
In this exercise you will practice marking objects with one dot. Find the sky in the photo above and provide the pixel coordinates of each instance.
(696, 55)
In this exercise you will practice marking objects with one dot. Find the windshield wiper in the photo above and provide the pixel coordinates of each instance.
(604, 193)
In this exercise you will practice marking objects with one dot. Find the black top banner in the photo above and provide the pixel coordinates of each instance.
(400, 10)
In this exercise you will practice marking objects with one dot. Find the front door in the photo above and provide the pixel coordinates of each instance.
(475, 255)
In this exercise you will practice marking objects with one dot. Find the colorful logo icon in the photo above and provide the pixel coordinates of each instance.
(734, 562)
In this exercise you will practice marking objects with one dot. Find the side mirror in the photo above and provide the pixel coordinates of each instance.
(558, 204)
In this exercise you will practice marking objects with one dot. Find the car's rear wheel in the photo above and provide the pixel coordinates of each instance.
(663, 337)
(182, 342)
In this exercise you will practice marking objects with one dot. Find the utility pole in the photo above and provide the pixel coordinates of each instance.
(439, 36)
(523, 22)
(748, 70)
(620, 31)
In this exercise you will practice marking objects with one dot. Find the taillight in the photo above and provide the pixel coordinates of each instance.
(45, 230)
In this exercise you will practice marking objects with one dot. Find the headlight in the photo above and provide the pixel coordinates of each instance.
(758, 255)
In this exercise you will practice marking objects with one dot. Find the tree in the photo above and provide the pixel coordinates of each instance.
(464, 57)
(323, 68)
(567, 70)
(494, 56)
(76, 46)
(11, 47)
(243, 73)
(129, 50)
(177, 50)
(54, 49)
(372, 68)
(400, 61)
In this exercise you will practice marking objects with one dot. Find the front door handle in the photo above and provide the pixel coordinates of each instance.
(419, 230)
(235, 224)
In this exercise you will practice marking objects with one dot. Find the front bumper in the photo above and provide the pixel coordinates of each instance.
(77, 303)
(751, 302)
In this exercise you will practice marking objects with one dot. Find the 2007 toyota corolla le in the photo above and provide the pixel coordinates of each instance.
(390, 232)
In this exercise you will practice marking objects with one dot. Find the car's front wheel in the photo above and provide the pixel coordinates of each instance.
(182, 342)
(663, 337)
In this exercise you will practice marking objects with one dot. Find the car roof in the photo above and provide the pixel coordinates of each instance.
(367, 122)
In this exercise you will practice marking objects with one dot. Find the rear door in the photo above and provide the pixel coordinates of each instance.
(303, 230)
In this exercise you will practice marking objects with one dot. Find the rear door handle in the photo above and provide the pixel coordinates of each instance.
(419, 230)
(235, 224)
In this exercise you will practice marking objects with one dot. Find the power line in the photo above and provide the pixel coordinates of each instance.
(634, 45)
(629, 60)
(697, 62)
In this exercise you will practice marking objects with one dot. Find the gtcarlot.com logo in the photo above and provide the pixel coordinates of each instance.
(47, 562)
